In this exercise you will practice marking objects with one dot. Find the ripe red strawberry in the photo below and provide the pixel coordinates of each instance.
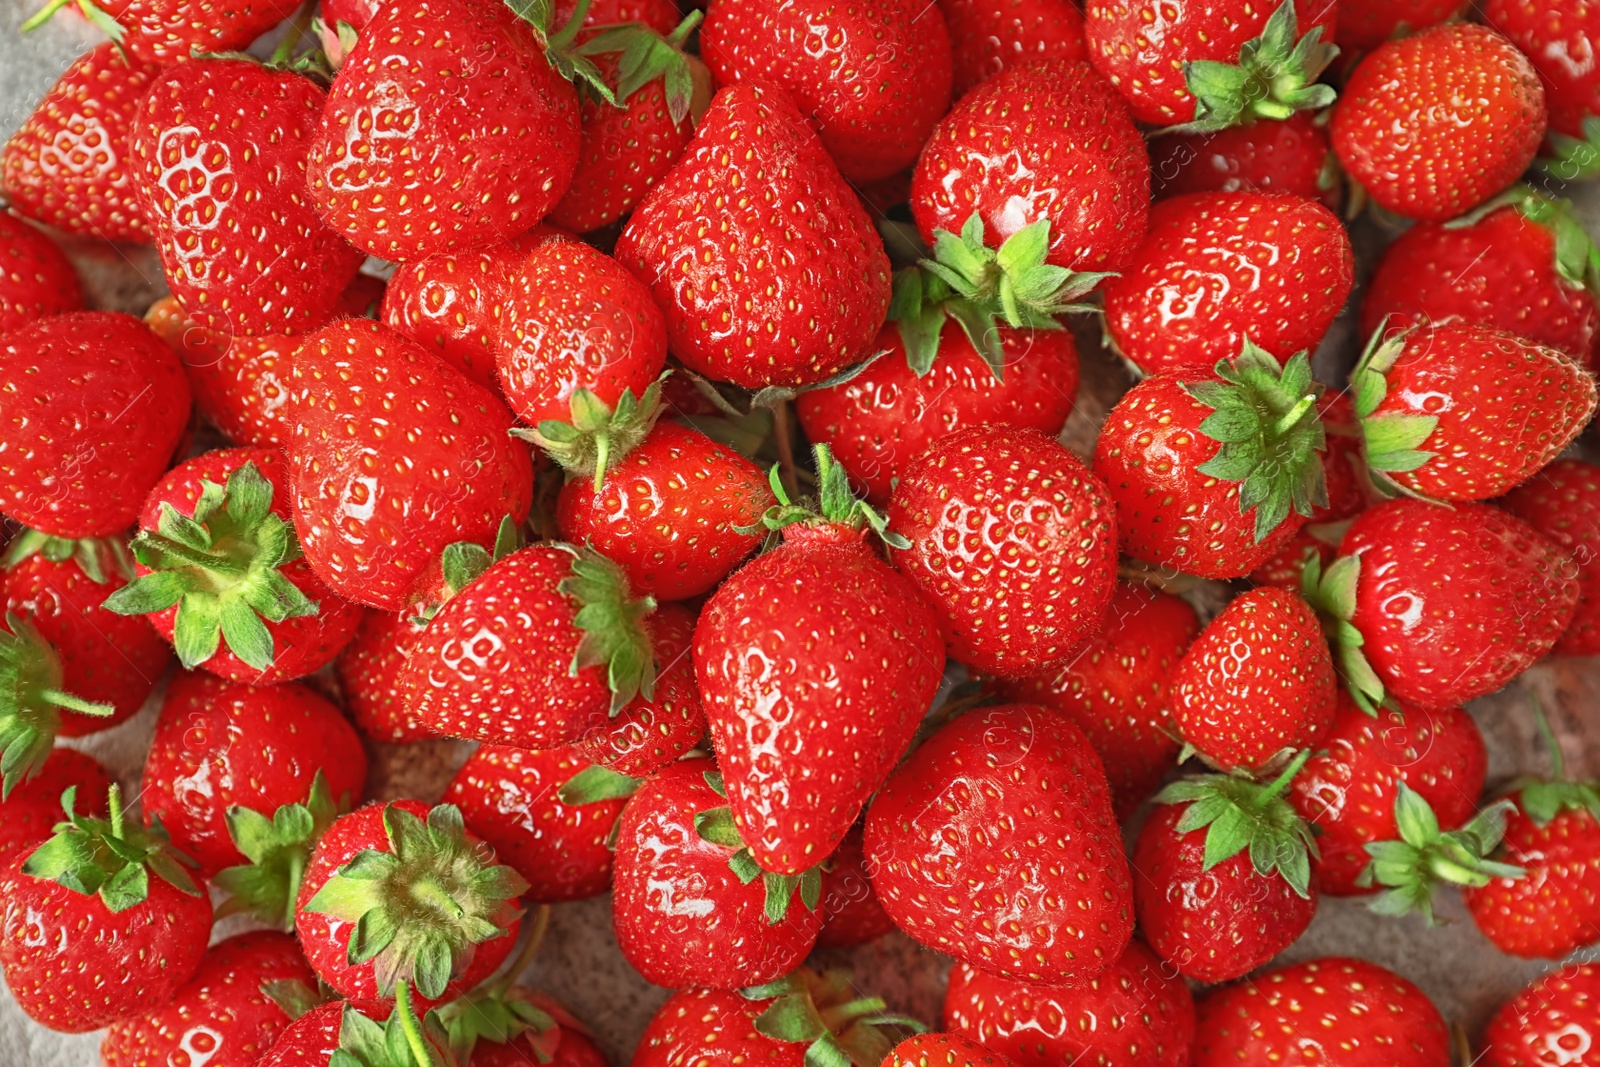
(1187, 459)
(1344, 1011)
(951, 1050)
(1265, 156)
(684, 916)
(370, 670)
(1434, 124)
(990, 36)
(1366, 24)
(1347, 789)
(1013, 540)
(1079, 163)
(395, 455)
(30, 810)
(902, 52)
(1553, 34)
(106, 404)
(223, 1013)
(1550, 1021)
(1115, 690)
(220, 148)
(1211, 66)
(809, 304)
(1219, 269)
(101, 922)
(882, 419)
(70, 164)
(805, 735)
(851, 914)
(1137, 1013)
(169, 31)
(36, 279)
(1562, 502)
(1000, 803)
(398, 893)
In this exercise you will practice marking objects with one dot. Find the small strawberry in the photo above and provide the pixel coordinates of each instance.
(170, 31)
(1265, 156)
(366, 1032)
(810, 302)
(1434, 124)
(1360, 1015)
(32, 808)
(1366, 24)
(70, 164)
(1013, 540)
(105, 402)
(951, 1050)
(1137, 1013)
(1219, 269)
(1003, 803)
(1562, 502)
(851, 914)
(1551, 1021)
(36, 278)
(101, 922)
(225, 1011)
(990, 36)
(1552, 33)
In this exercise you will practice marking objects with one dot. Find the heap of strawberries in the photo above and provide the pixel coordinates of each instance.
(670, 402)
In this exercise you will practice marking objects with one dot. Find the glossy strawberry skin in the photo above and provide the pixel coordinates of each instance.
(218, 744)
(682, 917)
(508, 795)
(36, 279)
(92, 386)
(1366, 24)
(1346, 791)
(952, 1050)
(370, 669)
(1555, 908)
(395, 455)
(170, 31)
(1078, 161)
(772, 322)
(1455, 602)
(222, 1013)
(1137, 1013)
(1115, 690)
(70, 165)
(1014, 543)
(1547, 1022)
(989, 36)
(312, 1039)
(712, 1028)
(1360, 1012)
(1218, 268)
(406, 197)
(850, 909)
(881, 420)
(32, 810)
(1550, 33)
(1259, 157)
(1436, 123)
(1022, 791)
(1562, 502)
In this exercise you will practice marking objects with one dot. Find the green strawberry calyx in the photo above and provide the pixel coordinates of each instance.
(1332, 592)
(1577, 259)
(96, 557)
(595, 784)
(1426, 855)
(982, 288)
(403, 1040)
(222, 567)
(1392, 441)
(643, 55)
(111, 858)
(835, 505)
(1237, 813)
(716, 826)
(278, 849)
(1574, 158)
(825, 1013)
(1270, 436)
(613, 625)
(418, 909)
(560, 46)
(463, 562)
(1276, 76)
(31, 701)
(500, 1012)
(597, 434)
(1542, 799)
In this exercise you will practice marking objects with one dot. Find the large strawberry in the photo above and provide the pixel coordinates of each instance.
(1013, 540)
(989, 36)
(1265, 156)
(1434, 124)
(1219, 269)
(995, 843)
(1562, 502)
(805, 738)
(220, 146)
(36, 278)
(31, 809)
(1553, 1019)
(809, 303)
(395, 455)
(105, 402)
(1552, 33)
(70, 163)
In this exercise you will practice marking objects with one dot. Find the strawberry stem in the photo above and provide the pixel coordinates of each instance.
(114, 809)
(72, 703)
(1280, 783)
(409, 1025)
(43, 15)
(1295, 414)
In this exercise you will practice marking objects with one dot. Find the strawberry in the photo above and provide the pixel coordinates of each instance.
(902, 52)
(1434, 124)
(378, 494)
(91, 386)
(220, 153)
(804, 737)
(1345, 1012)
(1366, 24)
(1187, 458)
(540, 1031)
(1562, 502)
(805, 307)
(990, 36)
(1219, 269)
(366, 1031)
(396, 893)
(169, 31)
(1115, 689)
(101, 922)
(1003, 802)
(220, 745)
(1347, 789)
(851, 914)
(370, 669)
(1551, 1021)
(1223, 874)
(225, 1010)
(36, 279)
(1211, 66)
(684, 913)
(1551, 33)
(1285, 568)
(34, 806)
(952, 1050)
(659, 15)
(1265, 156)
(1013, 541)
(70, 164)
(1137, 1013)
